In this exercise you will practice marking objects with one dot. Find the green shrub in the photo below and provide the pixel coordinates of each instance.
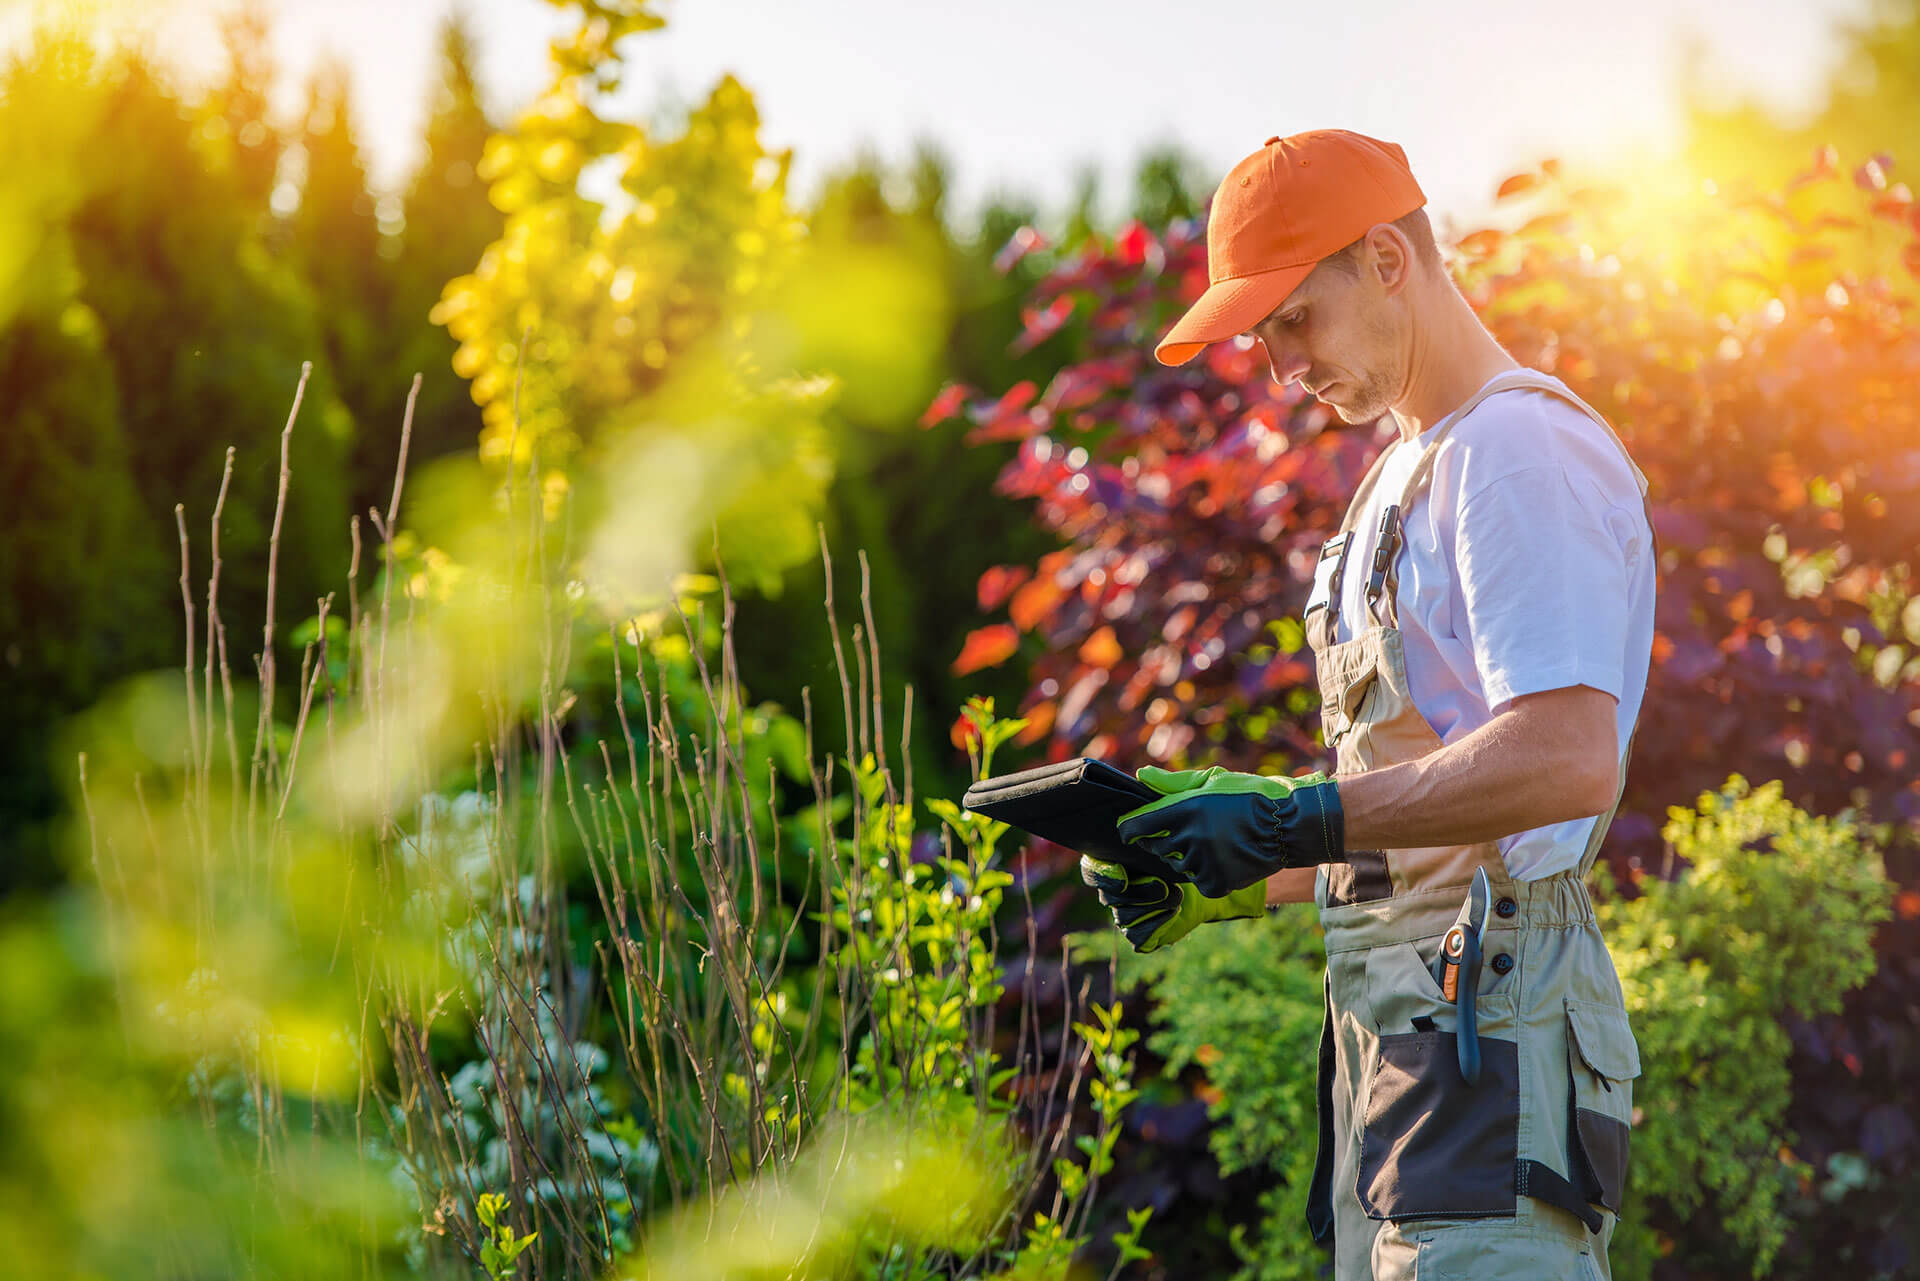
(1774, 919)
(1242, 1000)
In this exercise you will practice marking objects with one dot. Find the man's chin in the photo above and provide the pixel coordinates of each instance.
(1351, 412)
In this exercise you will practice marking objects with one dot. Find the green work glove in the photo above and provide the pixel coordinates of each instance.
(1153, 911)
(1222, 831)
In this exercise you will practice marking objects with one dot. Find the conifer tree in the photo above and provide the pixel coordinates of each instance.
(206, 330)
(239, 103)
(449, 222)
(337, 241)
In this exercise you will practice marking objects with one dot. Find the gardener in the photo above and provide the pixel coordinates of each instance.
(1482, 625)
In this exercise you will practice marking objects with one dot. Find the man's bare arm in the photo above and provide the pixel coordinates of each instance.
(1294, 885)
(1549, 757)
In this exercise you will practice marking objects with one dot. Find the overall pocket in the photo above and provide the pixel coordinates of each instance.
(1341, 693)
(1432, 1146)
(1603, 1059)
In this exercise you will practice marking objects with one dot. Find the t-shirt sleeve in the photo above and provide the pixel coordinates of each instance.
(1543, 585)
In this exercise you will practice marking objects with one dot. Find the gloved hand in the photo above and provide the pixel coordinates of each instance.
(1222, 831)
(1153, 911)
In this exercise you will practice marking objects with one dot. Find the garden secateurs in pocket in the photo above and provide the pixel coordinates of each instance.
(1457, 971)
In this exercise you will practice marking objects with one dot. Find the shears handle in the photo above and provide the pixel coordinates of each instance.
(1457, 971)
(1461, 984)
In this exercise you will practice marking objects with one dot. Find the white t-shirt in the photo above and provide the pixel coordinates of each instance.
(1527, 566)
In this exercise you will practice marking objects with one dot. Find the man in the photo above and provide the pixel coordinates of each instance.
(1482, 625)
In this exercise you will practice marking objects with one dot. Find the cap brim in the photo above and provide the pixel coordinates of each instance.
(1228, 308)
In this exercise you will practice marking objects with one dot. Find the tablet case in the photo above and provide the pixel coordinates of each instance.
(1074, 802)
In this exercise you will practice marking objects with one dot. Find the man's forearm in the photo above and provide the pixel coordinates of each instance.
(1291, 885)
(1523, 769)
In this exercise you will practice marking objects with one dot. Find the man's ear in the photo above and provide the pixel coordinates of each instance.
(1390, 257)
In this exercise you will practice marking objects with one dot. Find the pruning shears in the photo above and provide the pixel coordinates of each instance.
(1457, 971)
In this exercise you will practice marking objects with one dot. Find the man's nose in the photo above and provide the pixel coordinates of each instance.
(1286, 364)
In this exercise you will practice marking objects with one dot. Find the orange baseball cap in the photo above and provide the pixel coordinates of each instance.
(1276, 215)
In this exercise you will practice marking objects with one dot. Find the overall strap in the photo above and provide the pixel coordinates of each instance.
(1528, 379)
(1499, 382)
(1534, 380)
(1358, 502)
(1384, 581)
(1383, 569)
(1604, 821)
(1422, 471)
(1320, 622)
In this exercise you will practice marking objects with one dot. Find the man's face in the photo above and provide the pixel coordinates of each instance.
(1339, 337)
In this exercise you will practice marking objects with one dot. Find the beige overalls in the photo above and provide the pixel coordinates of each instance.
(1421, 1175)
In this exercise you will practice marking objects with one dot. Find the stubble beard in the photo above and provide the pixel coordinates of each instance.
(1370, 397)
(1365, 401)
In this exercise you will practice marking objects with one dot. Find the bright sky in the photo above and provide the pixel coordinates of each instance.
(1022, 92)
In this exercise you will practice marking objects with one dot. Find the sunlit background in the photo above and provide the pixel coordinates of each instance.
(1033, 97)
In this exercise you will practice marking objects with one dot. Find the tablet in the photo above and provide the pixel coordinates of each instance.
(1076, 803)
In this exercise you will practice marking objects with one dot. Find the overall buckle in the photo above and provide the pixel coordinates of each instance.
(1327, 572)
(1385, 544)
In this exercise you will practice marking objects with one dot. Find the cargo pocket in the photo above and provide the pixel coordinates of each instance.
(1432, 1146)
(1603, 1060)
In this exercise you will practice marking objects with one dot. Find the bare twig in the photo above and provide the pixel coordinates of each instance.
(186, 610)
(217, 639)
(263, 744)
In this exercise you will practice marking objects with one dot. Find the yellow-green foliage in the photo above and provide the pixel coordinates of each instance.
(1774, 917)
(503, 1244)
(870, 1197)
(637, 314)
(659, 320)
(612, 295)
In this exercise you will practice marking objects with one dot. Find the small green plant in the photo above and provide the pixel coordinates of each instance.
(921, 936)
(1128, 1242)
(502, 1245)
(1111, 1091)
